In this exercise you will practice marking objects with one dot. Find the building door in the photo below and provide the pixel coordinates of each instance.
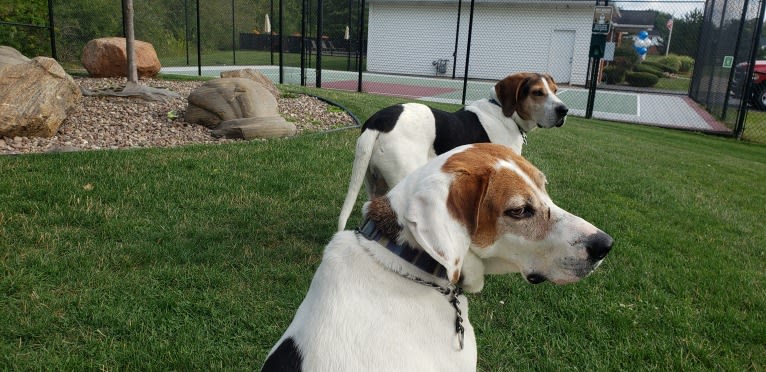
(561, 52)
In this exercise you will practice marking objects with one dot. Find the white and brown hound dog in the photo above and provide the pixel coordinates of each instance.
(388, 297)
(400, 138)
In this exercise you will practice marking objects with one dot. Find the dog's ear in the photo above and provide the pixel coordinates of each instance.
(510, 90)
(440, 235)
(443, 228)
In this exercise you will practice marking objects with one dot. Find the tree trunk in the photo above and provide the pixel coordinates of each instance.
(130, 42)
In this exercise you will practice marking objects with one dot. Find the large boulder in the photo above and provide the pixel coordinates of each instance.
(10, 56)
(106, 57)
(35, 97)
(237, 108)
(255, 76)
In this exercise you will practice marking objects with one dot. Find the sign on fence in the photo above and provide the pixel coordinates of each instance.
(602, 19)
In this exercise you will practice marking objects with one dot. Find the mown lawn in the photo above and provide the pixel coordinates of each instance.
(196, 258)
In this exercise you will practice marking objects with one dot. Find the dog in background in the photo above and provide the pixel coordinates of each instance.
(400, 138)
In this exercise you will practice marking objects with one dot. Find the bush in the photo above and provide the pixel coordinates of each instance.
(643, 67)
(625, 57)
(687, 63)
(641, 79)
(672, 62)
(614, 74)
(660, 66)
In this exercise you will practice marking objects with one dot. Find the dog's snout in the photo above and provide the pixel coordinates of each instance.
(535, 278)
(562, 110)
(598, 246)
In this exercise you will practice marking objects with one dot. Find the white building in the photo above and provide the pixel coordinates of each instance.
(407, 36)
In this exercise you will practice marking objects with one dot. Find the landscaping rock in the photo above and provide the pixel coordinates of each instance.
(253, 75)
(218, 103)
(106, 57)
(35, 97)
(10, 56)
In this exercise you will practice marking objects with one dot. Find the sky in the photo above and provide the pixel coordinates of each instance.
(677, 8)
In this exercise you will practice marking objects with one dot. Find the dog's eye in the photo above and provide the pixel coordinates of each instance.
(538, 93)
(519, 213)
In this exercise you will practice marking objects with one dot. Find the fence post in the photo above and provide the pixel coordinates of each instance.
(742, 113)
(233, 36)
(303, 42)
(595, 64)
(468, 51)
(320, 26)
(457, 36)
(281, 42)
(52, 30)
(199, 44)
(361, 46)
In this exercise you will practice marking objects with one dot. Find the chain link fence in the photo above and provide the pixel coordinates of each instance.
(683, 64)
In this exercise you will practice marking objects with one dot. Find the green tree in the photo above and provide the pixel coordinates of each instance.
(686, 32)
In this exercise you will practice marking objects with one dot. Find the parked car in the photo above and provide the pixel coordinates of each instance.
(757, 81)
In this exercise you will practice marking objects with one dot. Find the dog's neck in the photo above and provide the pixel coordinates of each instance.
(382, 227)
(523, 125)
(385, 224)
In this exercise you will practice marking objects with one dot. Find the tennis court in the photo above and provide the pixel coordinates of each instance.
(664, 110)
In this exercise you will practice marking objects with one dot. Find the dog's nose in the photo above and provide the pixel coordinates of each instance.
(562, 110)
(598, 246)
(535, 278)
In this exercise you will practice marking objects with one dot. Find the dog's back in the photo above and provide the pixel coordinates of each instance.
(398, 139)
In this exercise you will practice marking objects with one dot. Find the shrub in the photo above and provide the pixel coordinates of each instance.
(672, 62)
(660, 66)
(641, 79)
(614, 74)
(687, 63)
(643, 67)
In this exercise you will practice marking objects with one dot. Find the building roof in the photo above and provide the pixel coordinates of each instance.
(627, 20)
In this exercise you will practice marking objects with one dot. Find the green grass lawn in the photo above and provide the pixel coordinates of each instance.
(196, 258)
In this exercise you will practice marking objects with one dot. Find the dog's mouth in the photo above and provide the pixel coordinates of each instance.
(536, 278)
(561, 121)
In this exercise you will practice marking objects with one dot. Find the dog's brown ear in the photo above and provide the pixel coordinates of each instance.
(510, 90)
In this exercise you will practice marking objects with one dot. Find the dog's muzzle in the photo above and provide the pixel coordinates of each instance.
(598, 246)
(536, 278)
(561, 114)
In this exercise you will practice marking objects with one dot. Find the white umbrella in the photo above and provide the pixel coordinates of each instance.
(267, 25)
(346, 34)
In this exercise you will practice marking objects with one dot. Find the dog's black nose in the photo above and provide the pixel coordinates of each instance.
(598, 246)
(535, 278)
(562, 110)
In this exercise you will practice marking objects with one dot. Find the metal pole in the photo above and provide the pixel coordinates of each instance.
(199, 44)
(271, 39)
(320, 26)
(52, 30)
(303, 42)
(593, 79)
(742, 115)
(457, 36)
(348, 41)
(281, 42)
(731, 71)
(233, 35)
(468, 52)
(360, 47)
(186, 29)
(124, 30)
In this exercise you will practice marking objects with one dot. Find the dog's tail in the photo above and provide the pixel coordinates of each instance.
(364, 145)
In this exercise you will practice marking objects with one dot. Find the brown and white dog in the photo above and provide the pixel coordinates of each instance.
(400, 138)
(388, 297)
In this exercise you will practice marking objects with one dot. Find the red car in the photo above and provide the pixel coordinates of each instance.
(758, 83)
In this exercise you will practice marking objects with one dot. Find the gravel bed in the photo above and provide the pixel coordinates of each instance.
(116, 123)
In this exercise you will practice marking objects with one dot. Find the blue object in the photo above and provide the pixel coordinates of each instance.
(643, 35)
